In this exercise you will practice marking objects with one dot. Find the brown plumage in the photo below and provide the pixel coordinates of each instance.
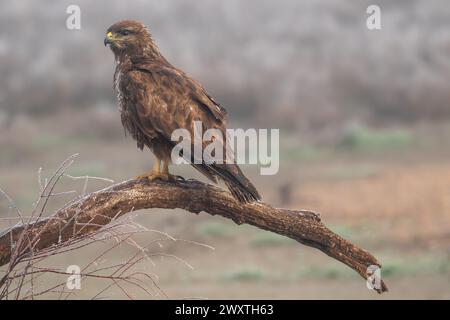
(155, 98)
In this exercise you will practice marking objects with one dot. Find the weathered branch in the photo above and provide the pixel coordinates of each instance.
(91, 212)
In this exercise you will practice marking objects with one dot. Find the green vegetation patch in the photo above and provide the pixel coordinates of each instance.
(216, 229)
(270, 239)
(365, 139)
(245, 274)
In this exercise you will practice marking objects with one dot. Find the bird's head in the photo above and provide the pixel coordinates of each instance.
(130, 38)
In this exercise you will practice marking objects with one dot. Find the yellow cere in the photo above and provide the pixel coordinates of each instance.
(109, 34)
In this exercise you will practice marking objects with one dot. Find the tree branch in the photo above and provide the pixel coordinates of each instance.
(89, 213)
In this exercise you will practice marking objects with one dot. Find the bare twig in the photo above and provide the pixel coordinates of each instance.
(23, 269)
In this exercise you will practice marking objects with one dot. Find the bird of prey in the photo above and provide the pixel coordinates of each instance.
(155, 98)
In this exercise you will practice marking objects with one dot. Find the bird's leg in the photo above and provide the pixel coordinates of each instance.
(167, 175)
(154, 174)
(165, 171)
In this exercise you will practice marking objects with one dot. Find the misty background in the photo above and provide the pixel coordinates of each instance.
(261, 60)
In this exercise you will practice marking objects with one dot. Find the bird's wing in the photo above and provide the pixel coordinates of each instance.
(190, 88)
(165, 100)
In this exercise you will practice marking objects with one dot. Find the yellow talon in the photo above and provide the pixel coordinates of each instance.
(157, 174)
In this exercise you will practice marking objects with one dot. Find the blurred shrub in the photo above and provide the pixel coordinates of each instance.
(420, 266)
(305, 152)
(270, 239)
(246, 274)
(215, 229)
(327, 272)
(365, 139)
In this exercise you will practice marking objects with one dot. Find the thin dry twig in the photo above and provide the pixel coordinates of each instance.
(24, 248)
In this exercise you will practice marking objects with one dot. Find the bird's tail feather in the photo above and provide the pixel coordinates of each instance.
(242, 194)
(240, 187)
(238, 184)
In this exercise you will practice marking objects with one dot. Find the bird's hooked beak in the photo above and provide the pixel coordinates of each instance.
(109, 38)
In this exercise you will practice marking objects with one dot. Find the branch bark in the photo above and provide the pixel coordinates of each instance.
(89, 213)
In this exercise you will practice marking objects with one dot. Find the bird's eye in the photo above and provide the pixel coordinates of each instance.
(125, 32)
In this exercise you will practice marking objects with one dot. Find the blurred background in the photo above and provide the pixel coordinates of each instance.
(364, 119)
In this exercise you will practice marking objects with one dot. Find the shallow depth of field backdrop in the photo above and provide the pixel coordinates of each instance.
(364, 118)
